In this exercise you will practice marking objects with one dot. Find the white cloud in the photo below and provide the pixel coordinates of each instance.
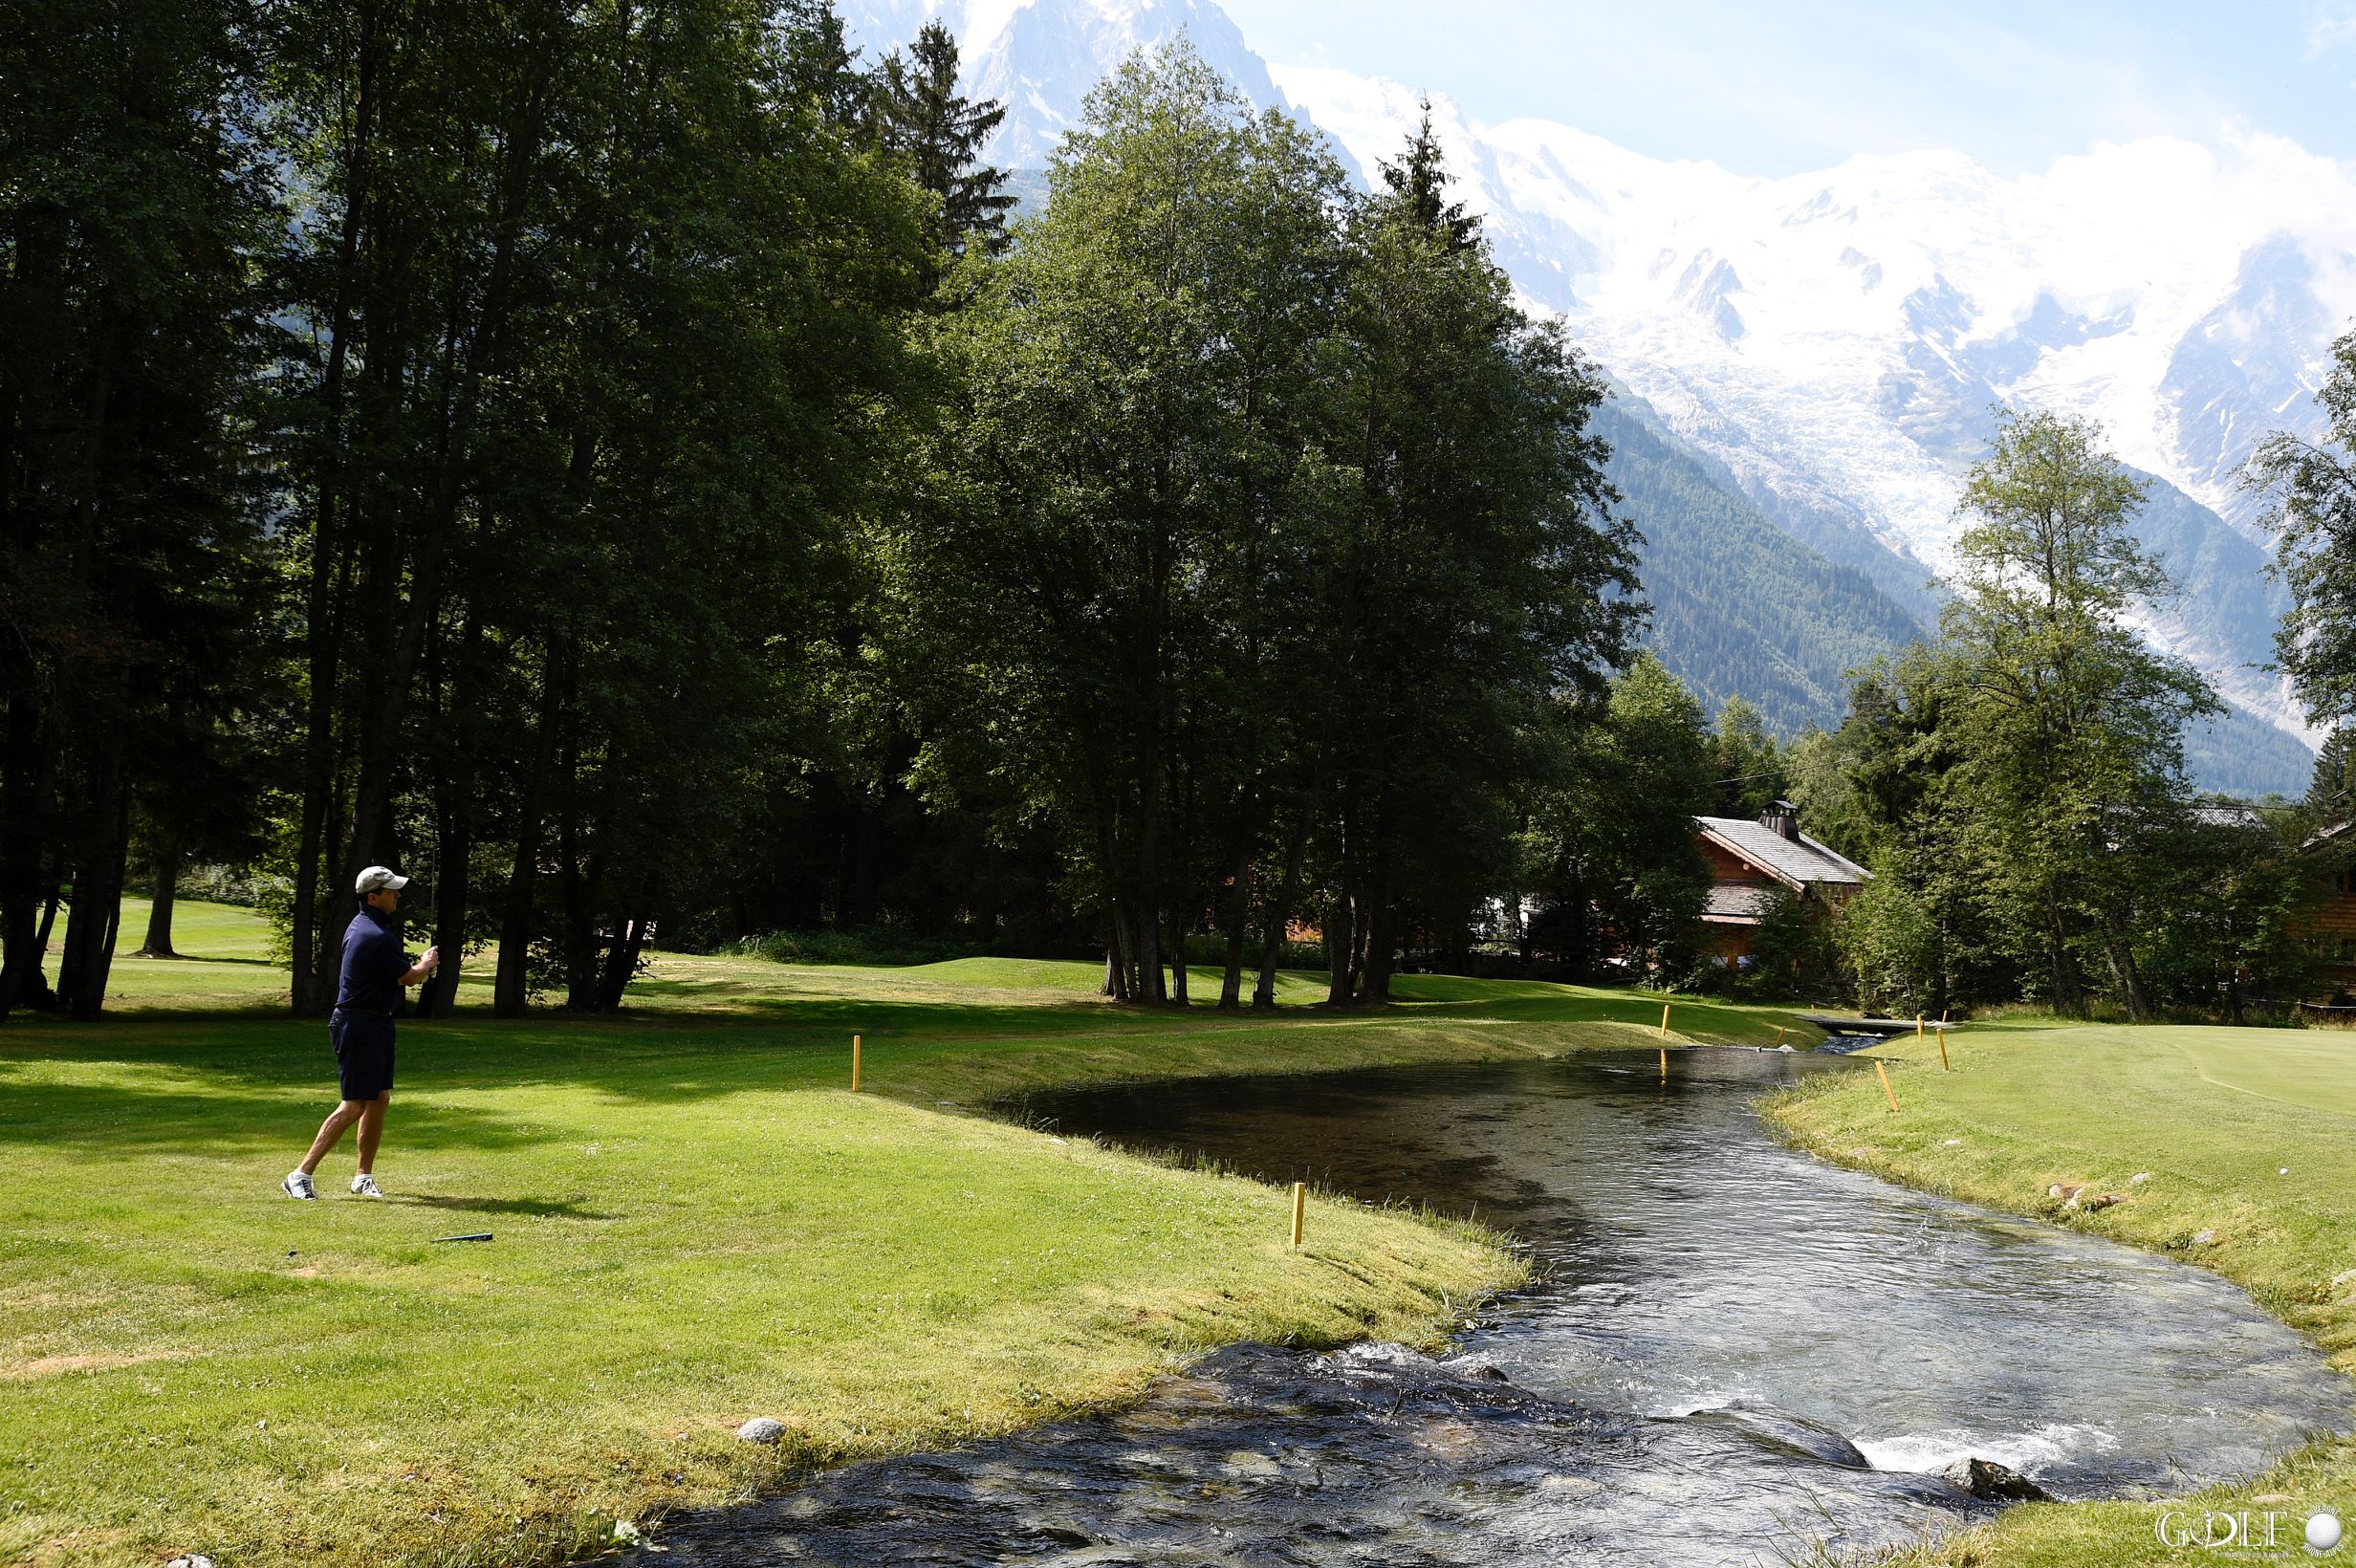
(2331, 24)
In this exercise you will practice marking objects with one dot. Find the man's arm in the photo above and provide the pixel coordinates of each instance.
(426, 965)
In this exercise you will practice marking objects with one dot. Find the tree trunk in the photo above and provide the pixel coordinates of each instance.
(97, 899)
(585, 887)
(510, 986)
(579, 883)
(438, 996)
(311, 936)
(1115, 956)
(42, 995)
(26, 781)
(1381, 945)
(2067, 996)
(1281, 915)
(1942, 993)
(159, 943)
(453, 854)
(2123, 970)
(1231, 981)
(621, 962)
(1147, 925)
(1578, 906)
(1178, 963)
(1341, 949)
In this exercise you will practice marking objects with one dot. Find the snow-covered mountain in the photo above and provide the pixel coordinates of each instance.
(1837, 339)
(1040, 58)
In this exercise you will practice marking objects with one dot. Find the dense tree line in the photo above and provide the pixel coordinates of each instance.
(431, 433)
(618, 463)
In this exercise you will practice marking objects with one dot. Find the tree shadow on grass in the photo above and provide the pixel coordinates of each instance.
(535, 1208)
(217, 1120)
(656, 1052)
(232, 1072)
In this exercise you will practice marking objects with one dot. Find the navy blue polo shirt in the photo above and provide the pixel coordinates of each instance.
(373, 964)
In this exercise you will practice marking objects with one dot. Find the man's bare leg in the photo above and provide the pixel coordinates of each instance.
(331, 1132)
(371, 1128)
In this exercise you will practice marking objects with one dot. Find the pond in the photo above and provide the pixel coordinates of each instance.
(1733, 1353)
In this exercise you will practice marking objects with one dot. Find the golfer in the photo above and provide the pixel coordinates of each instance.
(375, 968)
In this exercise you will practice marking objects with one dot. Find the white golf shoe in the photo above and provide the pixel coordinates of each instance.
(297, 1185)
(365, 1185)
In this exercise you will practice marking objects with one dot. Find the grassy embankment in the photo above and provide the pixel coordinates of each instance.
(695, 1222)
(2249, 1137)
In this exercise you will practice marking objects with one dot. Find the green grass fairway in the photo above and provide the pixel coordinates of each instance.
(695, 1222)
(2217, 1116)
(224, 963)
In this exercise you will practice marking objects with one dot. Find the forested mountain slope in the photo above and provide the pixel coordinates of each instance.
(1741, 607)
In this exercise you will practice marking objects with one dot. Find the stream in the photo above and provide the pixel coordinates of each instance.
(1733, 1353)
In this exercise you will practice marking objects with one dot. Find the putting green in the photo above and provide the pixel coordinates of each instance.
(2311, 1069)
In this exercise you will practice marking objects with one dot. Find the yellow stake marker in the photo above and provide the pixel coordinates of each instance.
(1665, 1020)
(854, 1064)
(1945, 1066)
(1300, 1207)
(1918, 1029)
(1884, 1069)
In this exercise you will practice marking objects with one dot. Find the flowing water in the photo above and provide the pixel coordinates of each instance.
(1735, 1354)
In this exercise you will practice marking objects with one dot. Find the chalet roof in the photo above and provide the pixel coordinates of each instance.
(1796, 863)
(1739, 904)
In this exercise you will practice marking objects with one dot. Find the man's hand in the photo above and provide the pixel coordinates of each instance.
(433, 960)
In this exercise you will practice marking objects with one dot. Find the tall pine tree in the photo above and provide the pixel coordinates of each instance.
(920, 114)
(1419, 181)
(2332, 794)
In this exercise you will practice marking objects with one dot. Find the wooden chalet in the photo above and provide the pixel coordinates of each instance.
(1754, 865)
(2334, 851)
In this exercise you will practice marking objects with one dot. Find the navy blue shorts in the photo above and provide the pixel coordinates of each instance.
(363, 1053)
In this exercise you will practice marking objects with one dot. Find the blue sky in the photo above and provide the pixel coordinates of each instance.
(1775, 88)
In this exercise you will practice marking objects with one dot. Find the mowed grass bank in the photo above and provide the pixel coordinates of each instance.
(2249, 1140)
(695, 1222)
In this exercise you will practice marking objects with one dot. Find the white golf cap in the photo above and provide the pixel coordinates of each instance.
(378, 877)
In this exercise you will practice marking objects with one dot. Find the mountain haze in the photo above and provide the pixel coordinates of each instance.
(1818, 356)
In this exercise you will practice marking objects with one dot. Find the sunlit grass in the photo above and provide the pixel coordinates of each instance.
(2248, 1142)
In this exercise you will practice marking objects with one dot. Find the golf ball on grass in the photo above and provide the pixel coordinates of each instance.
(2322, 1531)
